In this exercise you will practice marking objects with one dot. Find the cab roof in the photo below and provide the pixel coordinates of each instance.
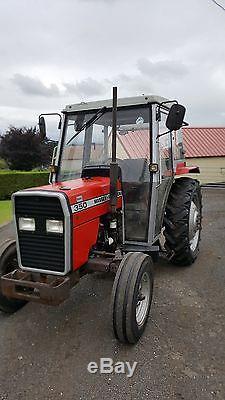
(126, 101)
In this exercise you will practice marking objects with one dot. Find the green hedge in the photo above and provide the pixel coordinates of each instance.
(11, 181)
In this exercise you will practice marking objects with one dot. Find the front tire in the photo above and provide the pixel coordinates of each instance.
(183, 218)
(8, 263)
(132, 297)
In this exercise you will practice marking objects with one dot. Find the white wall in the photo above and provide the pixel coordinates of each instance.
(212, 169)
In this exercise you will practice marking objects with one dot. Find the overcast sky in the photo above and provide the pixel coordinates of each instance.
(56, 52)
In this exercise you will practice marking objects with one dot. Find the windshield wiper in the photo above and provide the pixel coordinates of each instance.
(87, 124)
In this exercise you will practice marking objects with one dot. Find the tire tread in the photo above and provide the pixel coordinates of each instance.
(176, 220)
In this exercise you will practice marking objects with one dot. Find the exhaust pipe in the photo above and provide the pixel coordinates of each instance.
(113, 164)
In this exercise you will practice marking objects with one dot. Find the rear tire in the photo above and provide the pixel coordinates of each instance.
(8, 263)
(132, 297)
(183, 221)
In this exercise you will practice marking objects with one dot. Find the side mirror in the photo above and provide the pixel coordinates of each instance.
(42, 127)
(175, 117)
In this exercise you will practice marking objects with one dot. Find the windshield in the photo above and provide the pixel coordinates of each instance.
(86, 144)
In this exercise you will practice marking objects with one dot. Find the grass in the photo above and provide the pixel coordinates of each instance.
(33, 171)
(5, 211)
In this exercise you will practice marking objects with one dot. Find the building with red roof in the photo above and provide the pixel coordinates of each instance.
(205, 147)
(204, 142)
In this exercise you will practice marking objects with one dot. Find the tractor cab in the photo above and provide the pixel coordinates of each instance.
(146, 161)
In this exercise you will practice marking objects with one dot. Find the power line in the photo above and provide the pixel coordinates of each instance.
(219, 5)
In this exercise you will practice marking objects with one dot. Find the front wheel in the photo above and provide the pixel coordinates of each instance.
(8, 263)
(132, 296)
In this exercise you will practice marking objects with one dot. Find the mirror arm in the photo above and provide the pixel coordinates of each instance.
(165, 133)
(162, 134)
(158, 117)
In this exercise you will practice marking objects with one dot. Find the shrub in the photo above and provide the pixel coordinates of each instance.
(11, 181)
(3, 164)
(24, 149)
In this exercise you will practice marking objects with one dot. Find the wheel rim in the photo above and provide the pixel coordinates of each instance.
(194, 226)
(143, 299)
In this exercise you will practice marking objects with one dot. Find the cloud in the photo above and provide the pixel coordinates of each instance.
(85, 55)
(165, 69)
(94, 1)
(34, 86)
(85, 88)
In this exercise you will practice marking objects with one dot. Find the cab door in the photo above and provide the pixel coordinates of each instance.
(164, 145)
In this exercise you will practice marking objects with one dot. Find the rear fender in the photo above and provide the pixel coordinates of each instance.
(182, 169)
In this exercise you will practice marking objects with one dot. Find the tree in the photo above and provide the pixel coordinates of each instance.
(24, 149)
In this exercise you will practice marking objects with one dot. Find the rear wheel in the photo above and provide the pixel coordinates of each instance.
(132, 296)
(183, 221)
(8, 263)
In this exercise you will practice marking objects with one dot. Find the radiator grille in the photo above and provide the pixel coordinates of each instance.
(39, 249)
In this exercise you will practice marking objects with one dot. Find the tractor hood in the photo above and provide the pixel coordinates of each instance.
(79, 190)
(88, 197)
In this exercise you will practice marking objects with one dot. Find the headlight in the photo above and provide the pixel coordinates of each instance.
(26, 224)
(54, 226)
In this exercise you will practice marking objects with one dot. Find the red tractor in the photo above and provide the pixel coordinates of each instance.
(113, 194)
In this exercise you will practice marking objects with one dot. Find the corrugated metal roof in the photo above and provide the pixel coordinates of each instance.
(204, 142)
(135, 144)
(198, 142)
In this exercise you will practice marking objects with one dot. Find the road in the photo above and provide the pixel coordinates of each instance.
(45, 351)
(7, 231)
